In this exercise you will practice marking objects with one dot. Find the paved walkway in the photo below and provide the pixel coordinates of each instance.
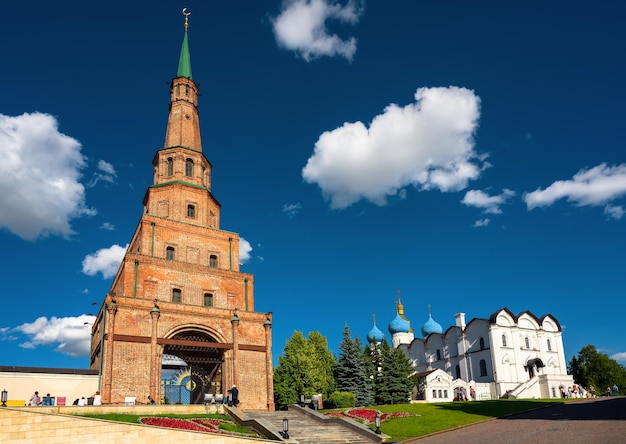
(593, 421)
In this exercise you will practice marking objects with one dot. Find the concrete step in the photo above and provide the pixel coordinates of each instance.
(309, 427)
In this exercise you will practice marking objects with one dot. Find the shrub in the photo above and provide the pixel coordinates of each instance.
(342, 400)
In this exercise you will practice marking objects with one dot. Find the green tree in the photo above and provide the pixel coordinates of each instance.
(596, 370)
(350, 372)
(395, 385)
(305, 368)
(325, 363)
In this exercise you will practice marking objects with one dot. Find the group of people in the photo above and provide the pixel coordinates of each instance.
(97, 400)
(231, 400)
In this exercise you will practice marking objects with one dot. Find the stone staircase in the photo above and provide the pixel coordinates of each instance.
(307, 426)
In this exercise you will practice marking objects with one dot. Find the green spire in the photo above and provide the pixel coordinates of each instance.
(184, 63)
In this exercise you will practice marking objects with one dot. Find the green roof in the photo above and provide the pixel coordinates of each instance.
(184, 63)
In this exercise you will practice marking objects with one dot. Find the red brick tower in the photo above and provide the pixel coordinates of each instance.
(179, 290)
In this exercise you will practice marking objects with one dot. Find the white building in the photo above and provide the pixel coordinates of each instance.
(518, 356)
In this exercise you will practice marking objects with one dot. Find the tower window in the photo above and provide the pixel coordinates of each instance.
(169, 253)
(458, 371)
(187, 90)
(170, 166)
(208, 299)
(189, 168)
(482, 343)
(526, 342)
(213, 261)
(503, 340)
(176, 295)
(191, 211)
(549, 345)
(438, 355)
(483, 367)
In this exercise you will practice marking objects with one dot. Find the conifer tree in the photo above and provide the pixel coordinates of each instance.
(350, 372)
(395, 385)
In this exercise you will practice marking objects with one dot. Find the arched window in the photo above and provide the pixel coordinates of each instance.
(549, 345)
(458, 371)
(483, 367)
(503, 340)
(189, 168)
(176, 295)
(170, 166)
(191, 211)
(527, 342)
(169, 253)
(482, 343)
(213, 261)
(208, 299)
(438, 355)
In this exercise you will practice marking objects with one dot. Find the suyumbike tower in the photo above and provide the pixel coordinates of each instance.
(179, 291)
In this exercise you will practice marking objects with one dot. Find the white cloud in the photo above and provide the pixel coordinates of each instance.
(107, 226)
(106, 173)
(292, 209)
(428, 144)
(105, 261)
(71, 334)
(301, 27)
(614, 211)
(39, 177)
(482, 222)
(244, 250)
(619, 357)
(594, 186)
(489, 204)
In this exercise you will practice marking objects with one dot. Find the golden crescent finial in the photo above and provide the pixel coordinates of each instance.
(186, 14)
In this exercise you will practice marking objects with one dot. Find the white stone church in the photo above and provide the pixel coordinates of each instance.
(504, 355)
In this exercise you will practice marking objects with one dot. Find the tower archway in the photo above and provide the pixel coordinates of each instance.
(193, 367)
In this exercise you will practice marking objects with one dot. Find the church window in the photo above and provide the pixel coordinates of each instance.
(439, 393)
(170, 166)
(176, 295)
(445, 393)
(438, 354)
(503, 340)
(187, 89)
(191, 211)
(527, 342)
(189, 168)
(213, 261)
(483, 367)
(169, 253)
(434, 393)
(458, 371)
(549, 345)
(482, 343)
(208, 299)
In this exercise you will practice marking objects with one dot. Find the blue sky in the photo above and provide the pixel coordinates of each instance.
(469, 155)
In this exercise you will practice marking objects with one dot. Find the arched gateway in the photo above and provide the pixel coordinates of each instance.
(179, 290)
(194, 368)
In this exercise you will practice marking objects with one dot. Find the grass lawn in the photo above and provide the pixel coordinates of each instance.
(432, 417)
(444, 416)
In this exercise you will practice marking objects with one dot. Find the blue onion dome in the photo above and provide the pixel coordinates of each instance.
(375, 336)
(431, 326)
(399, 325)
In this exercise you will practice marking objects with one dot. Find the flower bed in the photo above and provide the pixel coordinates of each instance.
(368, 416)
(207, 425)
